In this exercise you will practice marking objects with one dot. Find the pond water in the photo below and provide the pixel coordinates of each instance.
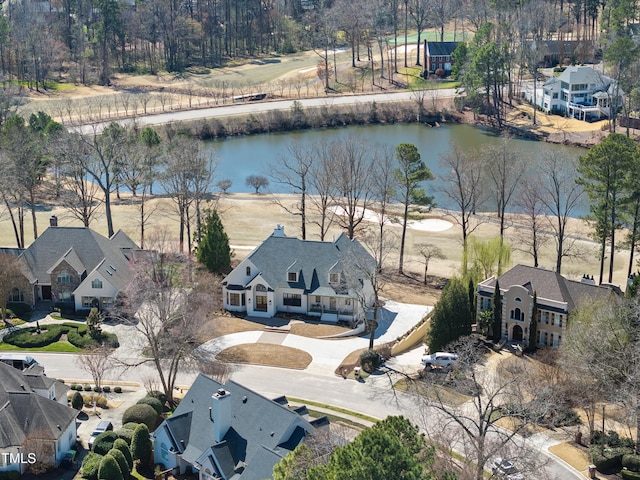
(239, 157)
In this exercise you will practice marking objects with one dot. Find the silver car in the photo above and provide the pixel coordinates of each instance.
(503, 468)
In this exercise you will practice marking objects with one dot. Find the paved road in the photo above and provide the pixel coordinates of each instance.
(258, 107)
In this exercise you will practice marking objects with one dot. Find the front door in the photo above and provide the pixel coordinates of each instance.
(46, 292)
(332, 303)
(517, 333)
(261, 303)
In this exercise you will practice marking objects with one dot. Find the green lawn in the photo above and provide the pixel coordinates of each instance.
(64, 347)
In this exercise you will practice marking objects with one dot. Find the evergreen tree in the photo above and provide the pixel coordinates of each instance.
(472, 299)
(214, 251)
(76, 400)
(122, 462)
(94, 320)
(109, 469)
(451, 316)
(393, 448)
(121, 445)
(533, 326)
(497, 314)
(141, 447)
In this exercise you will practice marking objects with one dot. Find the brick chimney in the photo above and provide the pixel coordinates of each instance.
(53, 221)
(221, 410)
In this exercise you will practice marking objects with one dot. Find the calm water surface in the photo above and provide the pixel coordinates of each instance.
(239, 157)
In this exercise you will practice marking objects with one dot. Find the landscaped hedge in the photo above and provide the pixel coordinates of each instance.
(629, 475)
(104, 442)
(152, 402)
(90, 466)
(19, 309)
(126, 432)
(77, 334)
(608, 460)
(141, 414)
(631, 462)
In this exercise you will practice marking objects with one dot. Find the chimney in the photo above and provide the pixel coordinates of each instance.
(53, 221)
(221, 414)
(588, 280)
(279, 231)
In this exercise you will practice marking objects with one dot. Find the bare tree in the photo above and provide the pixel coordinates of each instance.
(384, 187)
(473, 427)
(224, 185)
(323, 184)
(13, 283)
(561, 195)
(429, 252)
(257, 182)
(96, 362)
(462, 184)
(293, 172)
(168, 309)
(352, 195)
(529, 203)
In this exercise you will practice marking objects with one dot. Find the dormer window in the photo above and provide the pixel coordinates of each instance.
(334, 277)
(292, 276)
(248, 271)
(64, 277)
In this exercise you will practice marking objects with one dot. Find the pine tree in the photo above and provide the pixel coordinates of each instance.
(451, 316)
(214, 251)
(533, 326)
(497, 314)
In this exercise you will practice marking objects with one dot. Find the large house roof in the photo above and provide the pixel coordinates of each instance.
(313, 261)
(261, 430)
(83, 249)
(550, 285)
(24, 413)
(441, 48)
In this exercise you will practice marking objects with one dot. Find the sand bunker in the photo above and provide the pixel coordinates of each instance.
(425, 225)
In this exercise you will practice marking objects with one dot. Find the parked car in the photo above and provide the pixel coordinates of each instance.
(439, 360)
(103, 426)
(505, 469)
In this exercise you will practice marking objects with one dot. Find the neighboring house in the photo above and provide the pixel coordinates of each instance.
(34, 419)
(579, 92)
(556, 297)
(438, 55)
(330, 280)
(229, 432)
(554, 52)
(75, 265)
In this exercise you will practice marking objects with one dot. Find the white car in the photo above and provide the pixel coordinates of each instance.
(503, 468)
(439, 360)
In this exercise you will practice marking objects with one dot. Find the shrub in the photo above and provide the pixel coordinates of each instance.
(631, 462)
(101, 401)
(629, 475)
(24, 337)
(141, 414)
(126, 434)
(159, 395)
(609, 459)
(106, 389)
(18, 309)
(123, 446)
(97, 389)
(104, 442)
(90, 466)
(152, 402)
(141, 447)
(109, 469)
(117, 389)
(122, 462)
(369, 360)
(77, 401)
(87, 388)
(73, 386)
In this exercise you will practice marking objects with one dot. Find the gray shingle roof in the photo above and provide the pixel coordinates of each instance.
(23, 412)
(85, 250)
(311, 260)
(441, 48)
(550, 285)
(256, 440)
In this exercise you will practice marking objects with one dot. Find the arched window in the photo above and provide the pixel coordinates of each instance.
(65, 277)
(261, 288)
(518, 299)
(96, 283)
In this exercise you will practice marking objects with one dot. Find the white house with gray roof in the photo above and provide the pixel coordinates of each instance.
(329, 280)
(580, 92)
(34, 419)
(556, 298)
(224, 432)
(75, 265)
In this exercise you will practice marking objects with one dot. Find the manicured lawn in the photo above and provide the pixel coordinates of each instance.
(266, 354)
(435, 392)
(64, 347)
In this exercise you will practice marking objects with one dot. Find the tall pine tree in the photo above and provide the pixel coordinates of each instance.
(214, 251)
(497, 314)
(451, 316)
